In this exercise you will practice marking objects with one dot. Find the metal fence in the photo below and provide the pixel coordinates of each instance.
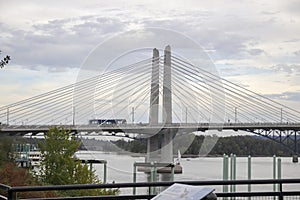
(12, 192)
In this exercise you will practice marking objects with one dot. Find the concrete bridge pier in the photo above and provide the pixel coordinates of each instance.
(167, 152)
(166, 146)
(153, 142)
(153, 149)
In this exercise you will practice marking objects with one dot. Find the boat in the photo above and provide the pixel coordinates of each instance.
(35, 158)
(27, 155)
(177, 166)
(178, 159)
(163, 169)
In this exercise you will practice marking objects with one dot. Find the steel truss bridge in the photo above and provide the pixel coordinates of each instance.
(153, 95)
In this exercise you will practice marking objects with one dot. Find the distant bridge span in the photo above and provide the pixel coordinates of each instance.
(146, 129)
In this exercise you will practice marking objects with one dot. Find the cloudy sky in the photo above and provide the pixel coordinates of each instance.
(253, 43)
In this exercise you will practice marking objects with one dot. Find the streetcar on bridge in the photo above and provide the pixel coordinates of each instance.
(107, 122)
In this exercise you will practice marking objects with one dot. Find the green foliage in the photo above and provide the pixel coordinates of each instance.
(59, 167)
(11, 175)
(6, 150)
(135, 146)
(214, 146)
(249, 145)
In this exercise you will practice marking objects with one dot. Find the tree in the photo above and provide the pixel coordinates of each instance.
(5, 150)
(60, 167)
(11, 175)
(14, 176)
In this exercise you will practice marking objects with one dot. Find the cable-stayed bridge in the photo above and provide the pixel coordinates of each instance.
(158, 97)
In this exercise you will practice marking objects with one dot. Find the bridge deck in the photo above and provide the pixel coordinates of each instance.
(147, 129)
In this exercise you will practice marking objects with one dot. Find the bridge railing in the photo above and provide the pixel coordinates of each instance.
(12, 192)
(158, 125)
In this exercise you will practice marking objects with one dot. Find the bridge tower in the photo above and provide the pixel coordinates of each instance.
(153, 141)
(167, 135)
(160, 145)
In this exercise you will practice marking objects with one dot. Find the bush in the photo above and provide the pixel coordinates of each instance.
(14, 176)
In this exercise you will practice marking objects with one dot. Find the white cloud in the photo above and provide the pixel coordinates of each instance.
(254, 38)
(18, 83)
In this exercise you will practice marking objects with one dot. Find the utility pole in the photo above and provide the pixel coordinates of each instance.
(186, 115)
(235, 114)
(132, 113)
(73, 115)
(7, 116)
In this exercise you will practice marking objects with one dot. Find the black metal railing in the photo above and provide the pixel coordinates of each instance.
(280, 195)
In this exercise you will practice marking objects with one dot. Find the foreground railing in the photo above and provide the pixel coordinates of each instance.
(12, 192)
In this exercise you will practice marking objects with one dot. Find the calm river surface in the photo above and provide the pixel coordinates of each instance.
(120, 169)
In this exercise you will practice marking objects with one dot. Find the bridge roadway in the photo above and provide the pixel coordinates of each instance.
(145, 129)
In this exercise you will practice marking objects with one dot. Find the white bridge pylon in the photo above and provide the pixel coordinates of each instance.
(160, 145)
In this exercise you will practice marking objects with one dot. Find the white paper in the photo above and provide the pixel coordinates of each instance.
(183, 192)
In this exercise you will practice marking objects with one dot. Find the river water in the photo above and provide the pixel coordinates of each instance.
(120, 169)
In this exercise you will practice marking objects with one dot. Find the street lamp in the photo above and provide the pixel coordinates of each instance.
(132, 113)
(281, 115)
(235, 114)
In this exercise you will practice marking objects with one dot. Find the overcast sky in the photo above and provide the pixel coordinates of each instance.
(253, 43)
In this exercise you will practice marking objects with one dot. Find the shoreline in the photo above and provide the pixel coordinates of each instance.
(182, 156)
